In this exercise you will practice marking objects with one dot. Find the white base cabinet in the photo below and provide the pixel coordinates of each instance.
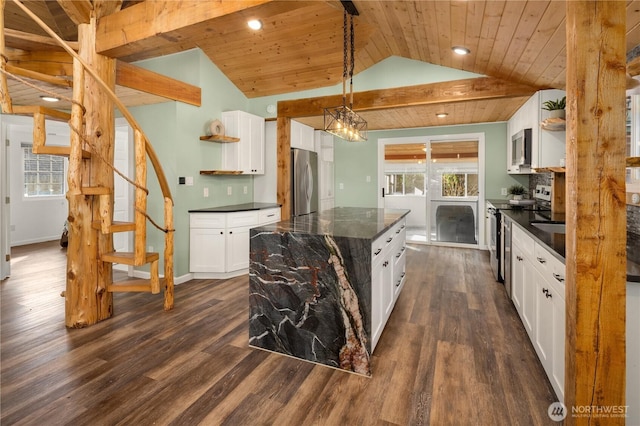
(388, 259)
(219, 242)
(538, 295)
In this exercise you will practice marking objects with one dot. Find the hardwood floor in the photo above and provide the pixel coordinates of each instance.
(453, 352)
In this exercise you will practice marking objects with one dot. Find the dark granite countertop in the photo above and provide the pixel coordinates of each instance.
(556, 242)
(236, 208)
(350, 222)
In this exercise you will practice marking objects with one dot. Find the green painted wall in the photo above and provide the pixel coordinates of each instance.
(355, 161)
(174, 129)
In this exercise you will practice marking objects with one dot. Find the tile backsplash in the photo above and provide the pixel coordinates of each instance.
(633, 212)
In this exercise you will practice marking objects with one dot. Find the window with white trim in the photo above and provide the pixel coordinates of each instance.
(43, 174)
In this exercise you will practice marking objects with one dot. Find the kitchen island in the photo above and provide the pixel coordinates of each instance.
(322, 286)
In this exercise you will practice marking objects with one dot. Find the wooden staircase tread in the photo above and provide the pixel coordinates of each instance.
(127, 257)
(64, 151)
(116, 226)
(132, 285)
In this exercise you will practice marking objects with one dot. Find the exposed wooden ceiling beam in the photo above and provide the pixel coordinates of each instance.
(134, 77)
(23, 72)
(424, 94)
(116, 36)
(79, 11)
(52, 63)
(633, 66)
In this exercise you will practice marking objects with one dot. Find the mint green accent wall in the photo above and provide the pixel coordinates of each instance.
(393, 71)
(355, 161)
(174, 129)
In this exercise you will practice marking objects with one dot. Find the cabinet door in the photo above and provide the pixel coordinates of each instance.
(529, 296)
(237, 248)
(231, 152)
(207, 250)
(381, 297)
(256, 154)
(517, 277)
(543, 327)
(556, 375)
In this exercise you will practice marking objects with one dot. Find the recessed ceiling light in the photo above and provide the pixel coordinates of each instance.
(461, 50)
(255, 24)
(49, 98)
(441, 114)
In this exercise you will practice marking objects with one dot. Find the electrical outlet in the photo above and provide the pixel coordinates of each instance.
(150, 248)
(229, 190)
(206, 192)
(245, 189)
(189, 180)
(341, 185)
(504, 191)
(368, 179)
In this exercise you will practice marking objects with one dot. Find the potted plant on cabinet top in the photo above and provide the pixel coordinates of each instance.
(517, 191)
(555, 108)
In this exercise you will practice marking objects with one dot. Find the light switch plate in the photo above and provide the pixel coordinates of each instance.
(189, 180)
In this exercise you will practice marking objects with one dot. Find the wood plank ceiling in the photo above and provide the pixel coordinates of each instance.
(300, 47)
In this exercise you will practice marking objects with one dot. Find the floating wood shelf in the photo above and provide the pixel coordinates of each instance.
(551, 169)
(220, 172)
(554, 124)
(219, 138)
(633, 161)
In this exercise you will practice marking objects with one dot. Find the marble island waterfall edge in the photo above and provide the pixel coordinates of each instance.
(310, 297)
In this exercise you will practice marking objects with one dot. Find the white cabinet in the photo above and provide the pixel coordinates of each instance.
(302, 136)
(387, 276)
(219, 242)
(324, 148)
(248, 154)
(538, 295)
(548, 148)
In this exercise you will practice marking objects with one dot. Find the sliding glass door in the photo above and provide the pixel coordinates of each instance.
(440, 181)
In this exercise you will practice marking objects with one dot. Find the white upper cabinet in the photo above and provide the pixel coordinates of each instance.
(548, 148)
(302, 136)
(248, 154)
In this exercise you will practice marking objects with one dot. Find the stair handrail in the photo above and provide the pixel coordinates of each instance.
(155, 162)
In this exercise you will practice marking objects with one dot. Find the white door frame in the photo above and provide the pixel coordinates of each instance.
(480, 137)
(122, 202)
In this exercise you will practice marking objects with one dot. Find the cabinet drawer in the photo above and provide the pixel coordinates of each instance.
(207, 220)
(524, 241)
(249, 218)
(550, 267)
(269, 216)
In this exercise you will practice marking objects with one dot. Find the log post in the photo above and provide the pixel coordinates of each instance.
(140, 240)
(284, 166)
(168, 254)
(87, 299)
(595, 212)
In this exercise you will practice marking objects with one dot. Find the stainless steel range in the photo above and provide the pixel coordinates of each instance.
(498, 244)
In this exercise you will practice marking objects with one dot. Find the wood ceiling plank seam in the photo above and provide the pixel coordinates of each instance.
(431, 32)
(490, 25)
(475, 15)
(554, 44)
(384, 27)
(443, 19)
(554, 72)
(527, 27)
(458, 29)
(398, 26)
(509, 20)
(417, 37)
(541, 42)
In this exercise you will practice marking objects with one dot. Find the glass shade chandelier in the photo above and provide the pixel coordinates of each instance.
(342, 121)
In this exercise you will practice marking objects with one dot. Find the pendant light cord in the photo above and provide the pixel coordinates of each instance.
(353, 62)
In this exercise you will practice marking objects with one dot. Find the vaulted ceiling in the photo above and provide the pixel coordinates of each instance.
(300, 45)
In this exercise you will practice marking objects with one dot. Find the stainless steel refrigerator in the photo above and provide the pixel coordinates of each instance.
(304, 182)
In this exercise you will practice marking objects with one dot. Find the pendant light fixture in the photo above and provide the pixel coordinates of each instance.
(342, 121)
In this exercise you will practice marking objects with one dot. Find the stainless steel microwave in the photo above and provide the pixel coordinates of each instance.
(521, 148)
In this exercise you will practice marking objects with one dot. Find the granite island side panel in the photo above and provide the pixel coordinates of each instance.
(310, 286)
